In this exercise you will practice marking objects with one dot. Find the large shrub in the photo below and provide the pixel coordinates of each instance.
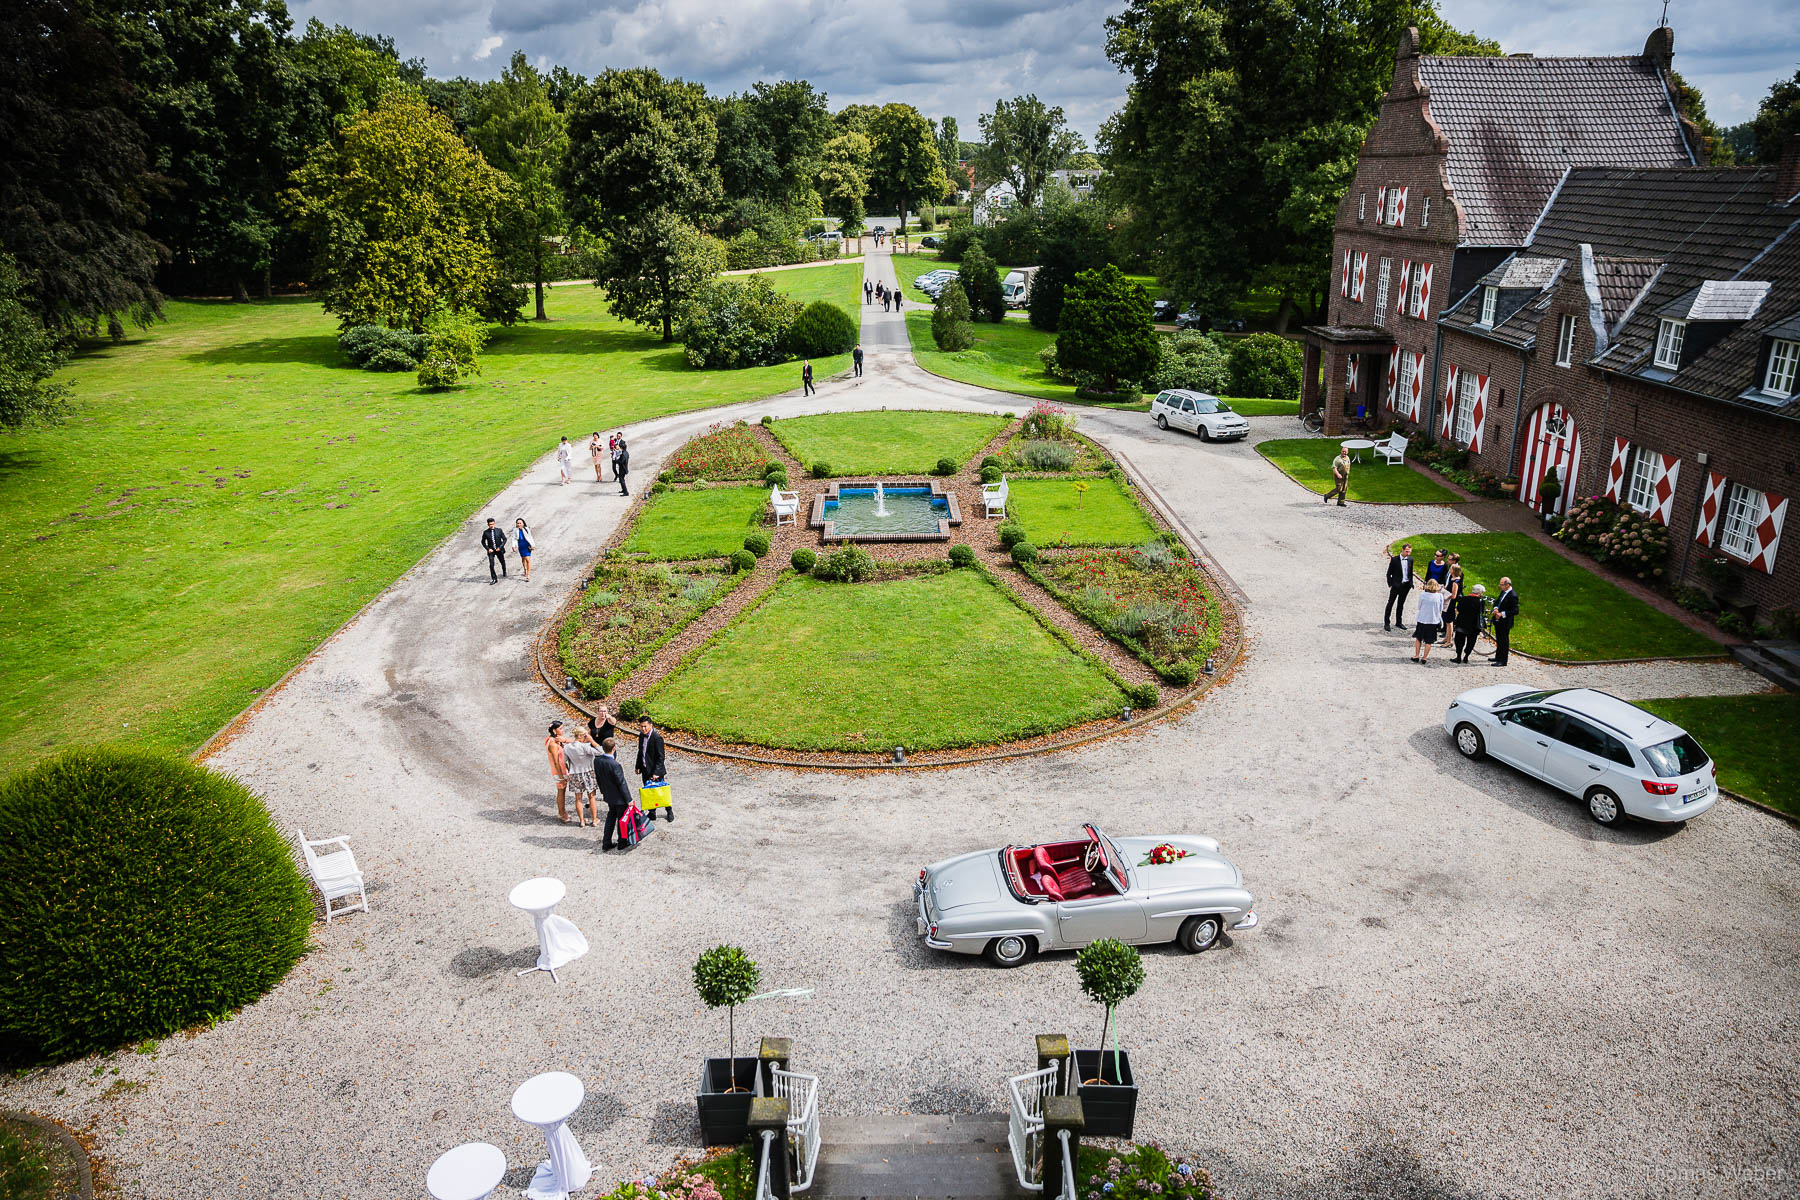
(378, 348)
(453, 346)
(822, 329)
(852, 564)
(1265, 364)
(950, 326)
(1105, 329)
(1617, 535)
(980, 280)
(139, 894)
(953, 245)
(1193, 360)
(737, 323)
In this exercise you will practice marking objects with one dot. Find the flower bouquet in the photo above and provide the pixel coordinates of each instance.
(1163, 855)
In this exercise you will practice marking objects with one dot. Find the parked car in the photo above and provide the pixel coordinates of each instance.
(825, 235)
(929, 242)
(1162, 311)
(1192, 318)
(1618, 758)
(1210, 417)
(932, 282)
(1015, 901)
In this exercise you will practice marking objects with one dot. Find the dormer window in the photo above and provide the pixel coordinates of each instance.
(1670, 335)
(1784, 358)
(1490, 300)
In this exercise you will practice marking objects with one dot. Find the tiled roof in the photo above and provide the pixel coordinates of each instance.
(1516, 316)
(1727, 300)
(1621, 280)
(1731, 367)
(1523, 271)
(1516, 124)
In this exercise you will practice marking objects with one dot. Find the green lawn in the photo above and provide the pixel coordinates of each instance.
(886, 443)
(840, 283)
(698, 524)
(229, 491)
(1308, 460)
(955, 664)
(1566, 611)
(1754, 739)
(1078, 512)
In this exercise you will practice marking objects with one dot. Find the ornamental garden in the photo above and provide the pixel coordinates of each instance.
(1069, 610)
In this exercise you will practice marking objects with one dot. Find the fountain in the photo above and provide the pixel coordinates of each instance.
(880, 500)
(870, 511)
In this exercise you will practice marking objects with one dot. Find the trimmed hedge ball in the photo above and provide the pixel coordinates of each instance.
(1143, 695)
(804, 559)
(1024, 552)
(1011, 534)
(946, 466)
(757, 544)
(821, 330)
(962, 556)
(774, 467)
(139, 894)
(991, 474)
(821, 470)
(742, 560)
(991, 460)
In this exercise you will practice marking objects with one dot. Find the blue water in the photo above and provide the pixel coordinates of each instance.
(909, 510)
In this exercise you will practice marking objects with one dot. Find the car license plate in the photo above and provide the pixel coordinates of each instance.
(1702, 794)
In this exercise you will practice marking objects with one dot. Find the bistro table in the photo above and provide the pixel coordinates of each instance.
(469, 1172)
(1355, 446)
(548, 1101)
(559, 942)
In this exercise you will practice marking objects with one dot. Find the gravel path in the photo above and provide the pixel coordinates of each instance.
(1461, 986)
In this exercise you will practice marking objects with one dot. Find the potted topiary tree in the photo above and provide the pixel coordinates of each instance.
(725, 977)
(1110, 972)
(1549, 489)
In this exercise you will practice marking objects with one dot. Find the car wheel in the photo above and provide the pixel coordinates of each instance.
(1204, 432)
(1468, 741)
(1162, 422)
(1011, 950)
(1604, 807)
(1200, 933)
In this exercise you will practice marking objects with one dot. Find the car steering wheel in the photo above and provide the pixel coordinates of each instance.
(1093, 858)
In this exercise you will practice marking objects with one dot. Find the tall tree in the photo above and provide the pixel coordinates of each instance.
(844, 179)
(74, 173)
(770, 140)
(949, 147)
(1777, 119)
(654, 268)
(904, 163)
(1023, 140)
(519, 131)
(641, 171)
(29, 355)
(405, 217)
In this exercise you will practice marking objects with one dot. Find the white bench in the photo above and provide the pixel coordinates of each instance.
(785, 504)
(993, 498)
(335, 875)
(1391, 449)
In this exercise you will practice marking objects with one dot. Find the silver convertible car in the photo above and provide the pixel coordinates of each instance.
(1012, 902)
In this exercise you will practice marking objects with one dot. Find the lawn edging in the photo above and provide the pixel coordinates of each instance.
(56, 1131)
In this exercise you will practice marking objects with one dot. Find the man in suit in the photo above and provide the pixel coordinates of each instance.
(1506, 611)
(856, 357)
(622, 464)
(1400, 582)
(493, 540)
(806, 378)
(611, 779)
(652, 761)
(1465, 620)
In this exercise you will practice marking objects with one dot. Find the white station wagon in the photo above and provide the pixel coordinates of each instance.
(1618, 758)
(1197, 412)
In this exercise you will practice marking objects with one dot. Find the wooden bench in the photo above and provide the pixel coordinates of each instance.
(785, 504)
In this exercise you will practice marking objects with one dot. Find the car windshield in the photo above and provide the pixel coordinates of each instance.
(1209, 404)
(1530, 697)
(1677, 756)
(1115, 862)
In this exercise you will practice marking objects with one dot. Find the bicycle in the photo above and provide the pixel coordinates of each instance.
(1314, 421)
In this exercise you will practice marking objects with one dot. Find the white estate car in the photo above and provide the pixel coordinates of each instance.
(933, 282)
(1208, 416)
(1620, 759)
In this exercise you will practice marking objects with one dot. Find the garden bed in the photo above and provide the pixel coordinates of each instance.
(723, 452)
(629, 612)
(1150, 599)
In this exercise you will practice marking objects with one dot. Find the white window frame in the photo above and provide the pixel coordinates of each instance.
(1671, 335)
(1362, 206)
(1490, 304)
(1784, 364)
(1465, 408)
(1403, 388)
(1382, 283)
(1393, 206)
(1417, 305)
(1425, 215)
(1565, 340)
(1640, 482)
(1738, 519)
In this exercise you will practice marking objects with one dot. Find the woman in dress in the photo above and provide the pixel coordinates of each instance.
(598, 453)
(1438, 568)
(565, 460)
(1453, 587)
(1431, 618)
(522, 532)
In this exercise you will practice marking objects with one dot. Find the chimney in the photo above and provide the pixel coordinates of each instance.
(1787, 172)
(1659, 48)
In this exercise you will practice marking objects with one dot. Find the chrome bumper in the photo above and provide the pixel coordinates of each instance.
(1249, 921)
(925, 925)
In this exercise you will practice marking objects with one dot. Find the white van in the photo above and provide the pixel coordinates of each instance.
(1016, 287)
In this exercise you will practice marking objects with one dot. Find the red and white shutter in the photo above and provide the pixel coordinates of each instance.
(1710, 504)
(1405, 282)
(1344, 282)
(1481, 384)
(1381, 206)
(1664, 493)
(1418, 386)
(1355, 361)
(1768, 532)
(1615, 473)
(1393, 401)
(1399, 211)
(1447, 419)
(1424, 291)
(1358, 288)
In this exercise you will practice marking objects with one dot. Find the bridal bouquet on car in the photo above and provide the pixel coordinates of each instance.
(1163, 855)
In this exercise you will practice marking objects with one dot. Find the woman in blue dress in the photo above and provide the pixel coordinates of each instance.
(523, 533)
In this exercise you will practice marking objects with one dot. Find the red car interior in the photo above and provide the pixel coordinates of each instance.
(1054, 871)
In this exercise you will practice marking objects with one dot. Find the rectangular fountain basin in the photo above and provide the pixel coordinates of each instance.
(847, 512)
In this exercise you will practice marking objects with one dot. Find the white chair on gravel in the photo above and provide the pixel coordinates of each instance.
(1391, 449)
(785, 504)
(336, 875)
(993, 498)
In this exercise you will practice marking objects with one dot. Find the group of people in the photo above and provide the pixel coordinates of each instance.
(1450, 613)
(584, 763)
(890, 297)
(493, 541)
(612, 451)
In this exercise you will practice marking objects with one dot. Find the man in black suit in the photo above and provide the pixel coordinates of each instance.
(652, 762)
(856, 357)
(493, 540)
(613, 789)
(806, 378)
(1400, 582)
(1465, 619)
(622, 464)
(1506, 611)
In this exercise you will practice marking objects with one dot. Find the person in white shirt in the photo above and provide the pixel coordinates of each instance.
(581, 752)
(565, 460)
(1430, 619)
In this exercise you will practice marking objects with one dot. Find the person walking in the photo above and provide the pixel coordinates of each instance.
(622, 466)
(868, 291)
(581, 752)
(652, 761)
(1400, 582)
(522, 535)
(493, 540)
(614, 790)
(899, 296)
(806, 378)
(1465, 619)
(1430, 619)
(597, 452)
(559, 768)
(565, 460)
(856, 357)
(1340, 477)
(887, 301)
(1506, 611)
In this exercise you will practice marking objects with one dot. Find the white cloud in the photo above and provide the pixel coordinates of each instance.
(487, 47)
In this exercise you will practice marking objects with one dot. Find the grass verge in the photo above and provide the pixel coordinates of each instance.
(1078, 512)
(1754, 739)
(1308, 462)
(708, 523)
(886, 443)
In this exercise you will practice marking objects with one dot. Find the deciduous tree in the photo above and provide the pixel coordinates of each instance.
(653, 268)
(519, 131)
(29, 355)
(905, 166)
(1777, 119)
(1023, 141)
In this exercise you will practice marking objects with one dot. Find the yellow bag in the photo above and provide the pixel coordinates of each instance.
(654, 795)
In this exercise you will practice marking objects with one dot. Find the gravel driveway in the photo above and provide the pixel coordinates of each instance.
(1461, 986)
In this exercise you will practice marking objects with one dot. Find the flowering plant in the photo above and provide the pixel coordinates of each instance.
(1163, 855)
(1140, 1173)
(722, 452)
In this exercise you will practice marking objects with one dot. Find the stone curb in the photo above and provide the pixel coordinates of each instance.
(1790, 818)
(84, 1171)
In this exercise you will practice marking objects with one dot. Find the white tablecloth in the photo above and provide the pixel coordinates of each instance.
(559, 942)
(548, 1101)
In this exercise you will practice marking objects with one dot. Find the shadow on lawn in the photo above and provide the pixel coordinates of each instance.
(652, 352)
(319, 350)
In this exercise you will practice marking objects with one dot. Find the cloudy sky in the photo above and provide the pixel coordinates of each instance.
(957, 56)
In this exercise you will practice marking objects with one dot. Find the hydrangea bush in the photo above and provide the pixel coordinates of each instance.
(1143, 1172)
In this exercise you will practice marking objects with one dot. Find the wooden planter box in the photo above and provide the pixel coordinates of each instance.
(727, 1086)
(1110, 1107)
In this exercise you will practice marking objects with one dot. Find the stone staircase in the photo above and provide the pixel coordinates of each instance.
(1778, 662)
(915, 1158)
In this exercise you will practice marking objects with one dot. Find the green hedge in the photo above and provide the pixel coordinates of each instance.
(821, 330)
(139, 894)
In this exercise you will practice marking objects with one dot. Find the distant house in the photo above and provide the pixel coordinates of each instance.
(993, 203)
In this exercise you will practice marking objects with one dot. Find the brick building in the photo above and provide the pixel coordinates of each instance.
(1531, 264)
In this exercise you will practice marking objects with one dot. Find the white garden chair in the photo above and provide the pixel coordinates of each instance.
(1391, 449)
(993, 498)
(336, 875)
(786, 505)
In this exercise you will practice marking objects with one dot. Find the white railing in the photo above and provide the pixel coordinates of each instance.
(801, 1091)
(1068, 1167)
(762, 1172)
(1025, 1127)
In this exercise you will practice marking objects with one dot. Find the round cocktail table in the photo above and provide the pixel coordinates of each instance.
(559, 942)
(548, 1101)
(469, 1172)
(1355, 446)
